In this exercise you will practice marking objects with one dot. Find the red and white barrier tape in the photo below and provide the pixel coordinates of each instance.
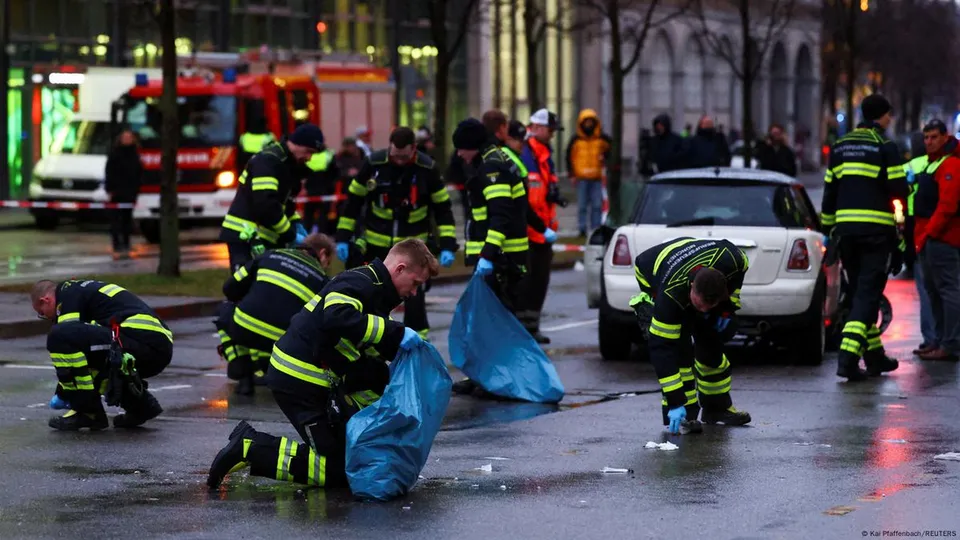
(560, 248)
(64, 205)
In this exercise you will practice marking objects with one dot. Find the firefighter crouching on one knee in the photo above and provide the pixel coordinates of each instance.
(84, 312)
(399, 192)
(262, 297)
(329, 364)
(262, 209)
(689, 292)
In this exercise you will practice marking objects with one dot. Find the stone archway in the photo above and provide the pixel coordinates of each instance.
(661, 76)
(805, 98)
(779, 87)
(693, 88)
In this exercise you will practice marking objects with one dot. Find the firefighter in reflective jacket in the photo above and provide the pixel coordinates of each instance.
(690, 291)
(254, 140)
(398, 190)
(84, 312)
(321, 181)
(329, 364)
(263, 205)
(864, 176)
(543, 195)
(262, 297)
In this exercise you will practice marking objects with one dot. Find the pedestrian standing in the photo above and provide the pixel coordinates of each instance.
(936, 205)
(773, 154)
(928, 328)
(864, 176)
(122, 179)
(587, 154)
(668, 149)
(321, 181)
(707, 148)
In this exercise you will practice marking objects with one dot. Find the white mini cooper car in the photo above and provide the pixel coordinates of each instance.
(789, 297)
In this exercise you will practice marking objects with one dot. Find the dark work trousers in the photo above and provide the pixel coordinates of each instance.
(507, 282)
(239, 255)
(867, 262)
(244, 351)
(535, 286)
(315, 213)
(79, 353)
(941, 274)
(414, 307)
(704, 369)
(318, 461)
(121, 225)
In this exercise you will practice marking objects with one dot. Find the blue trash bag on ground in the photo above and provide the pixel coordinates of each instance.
(490, 346)
(389, 441)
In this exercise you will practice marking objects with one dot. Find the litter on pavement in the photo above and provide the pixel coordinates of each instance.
(662, 446)
(949, 456)
(894, 441)
(615, 470)
(486, 468)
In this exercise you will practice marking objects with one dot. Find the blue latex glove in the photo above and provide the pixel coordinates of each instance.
(446, 258)
(722, 323)
(343, 251)
(676, 416)
(484, 267)
(57, 403)
(826, 240)
(301, 233)
(410, 339)
(550, 235)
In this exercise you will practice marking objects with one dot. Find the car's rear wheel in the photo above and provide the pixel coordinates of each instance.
(615, 342)
(810, 340)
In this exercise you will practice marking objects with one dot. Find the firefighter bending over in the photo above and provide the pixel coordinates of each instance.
(328, 365)
(689, 292)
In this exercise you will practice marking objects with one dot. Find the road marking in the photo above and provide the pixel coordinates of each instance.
(172, 387)
(29, 366)
(214, 374)
(37, 405)
(568, 326)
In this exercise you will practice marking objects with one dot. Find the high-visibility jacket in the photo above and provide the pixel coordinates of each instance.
(912, 168)
(542, 179)
(938, 198)
(864, 176)
(498, 207)
(399, 201)
(342, 336)
(533, 220)
(665, 274)
(253, 143)
(98, 302)
(264, 198)
(272, 288)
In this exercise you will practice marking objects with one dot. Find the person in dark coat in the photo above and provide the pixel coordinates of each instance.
(707, 148)
(123, 176)
(773, 154)
(667, 148)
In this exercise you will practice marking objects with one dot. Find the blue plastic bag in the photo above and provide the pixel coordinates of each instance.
(491, 347)
(389, 441)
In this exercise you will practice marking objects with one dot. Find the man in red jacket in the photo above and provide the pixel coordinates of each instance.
(937, 236)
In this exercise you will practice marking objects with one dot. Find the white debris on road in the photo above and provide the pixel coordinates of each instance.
(949, 456)
(661, 446)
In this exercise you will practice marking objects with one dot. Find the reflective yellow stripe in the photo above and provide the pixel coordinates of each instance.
(256, 325)
(856, 328)
(377, 239)
(312, 304)
(439, 196)
(382, 213)
(474, 247)
(68, 360)
(67, 317)
(286, 283)
(335, 298)
(447, 231)
(348, 350)
(240, 274)
(865, 216)
(479, 213)
(516, 245)
(828, 178)
(316, 469)
(667, 251)
(147, 322)
(686, 374)
(304, 371)
(265, 183)
(418, 215)
(518, 191)
(895, 173)
(858, 169)
(707, 371)
(346, 224)
(664, 330)
(288, 449)
(671, 383)
(714, 388)
(640, 279)
(735, 298)
(84, 382)
(496, 190)
(375, 328)
(281, 226)
(239, 225)
(363, 398)
(828, 219)
(495, 237)
(358, 189)
(111, 290)
(850, 346)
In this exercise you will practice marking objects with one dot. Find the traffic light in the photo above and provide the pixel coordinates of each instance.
(321, 27)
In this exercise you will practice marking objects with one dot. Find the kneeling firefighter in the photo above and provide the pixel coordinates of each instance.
(262, 297)
(105, 341)
(329, 364)
(689, 292)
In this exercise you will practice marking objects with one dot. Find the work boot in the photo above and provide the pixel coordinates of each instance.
(75, 421)
(691, 426)
(147, 408)
(728, 417)
(230, 458)
(236, 369)
(245, 386)
(850, 370)
(540, 338)
(464, 387)
(881, 364)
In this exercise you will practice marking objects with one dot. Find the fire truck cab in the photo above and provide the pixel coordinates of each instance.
(214, 110)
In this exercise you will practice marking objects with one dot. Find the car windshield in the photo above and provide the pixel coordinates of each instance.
(204, 120)
(82, 137)
(736, 204)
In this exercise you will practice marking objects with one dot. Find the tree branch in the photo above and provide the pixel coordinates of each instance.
(720, 47)
(462, 26)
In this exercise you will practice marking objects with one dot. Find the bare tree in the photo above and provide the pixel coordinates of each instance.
(626, 24)
(761, 23)
(444, 13)
(535, 26)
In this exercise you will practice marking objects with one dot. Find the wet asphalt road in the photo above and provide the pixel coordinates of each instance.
(822, 459)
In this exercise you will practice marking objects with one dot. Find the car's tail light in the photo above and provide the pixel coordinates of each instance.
(799, 256)
(621, 252)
